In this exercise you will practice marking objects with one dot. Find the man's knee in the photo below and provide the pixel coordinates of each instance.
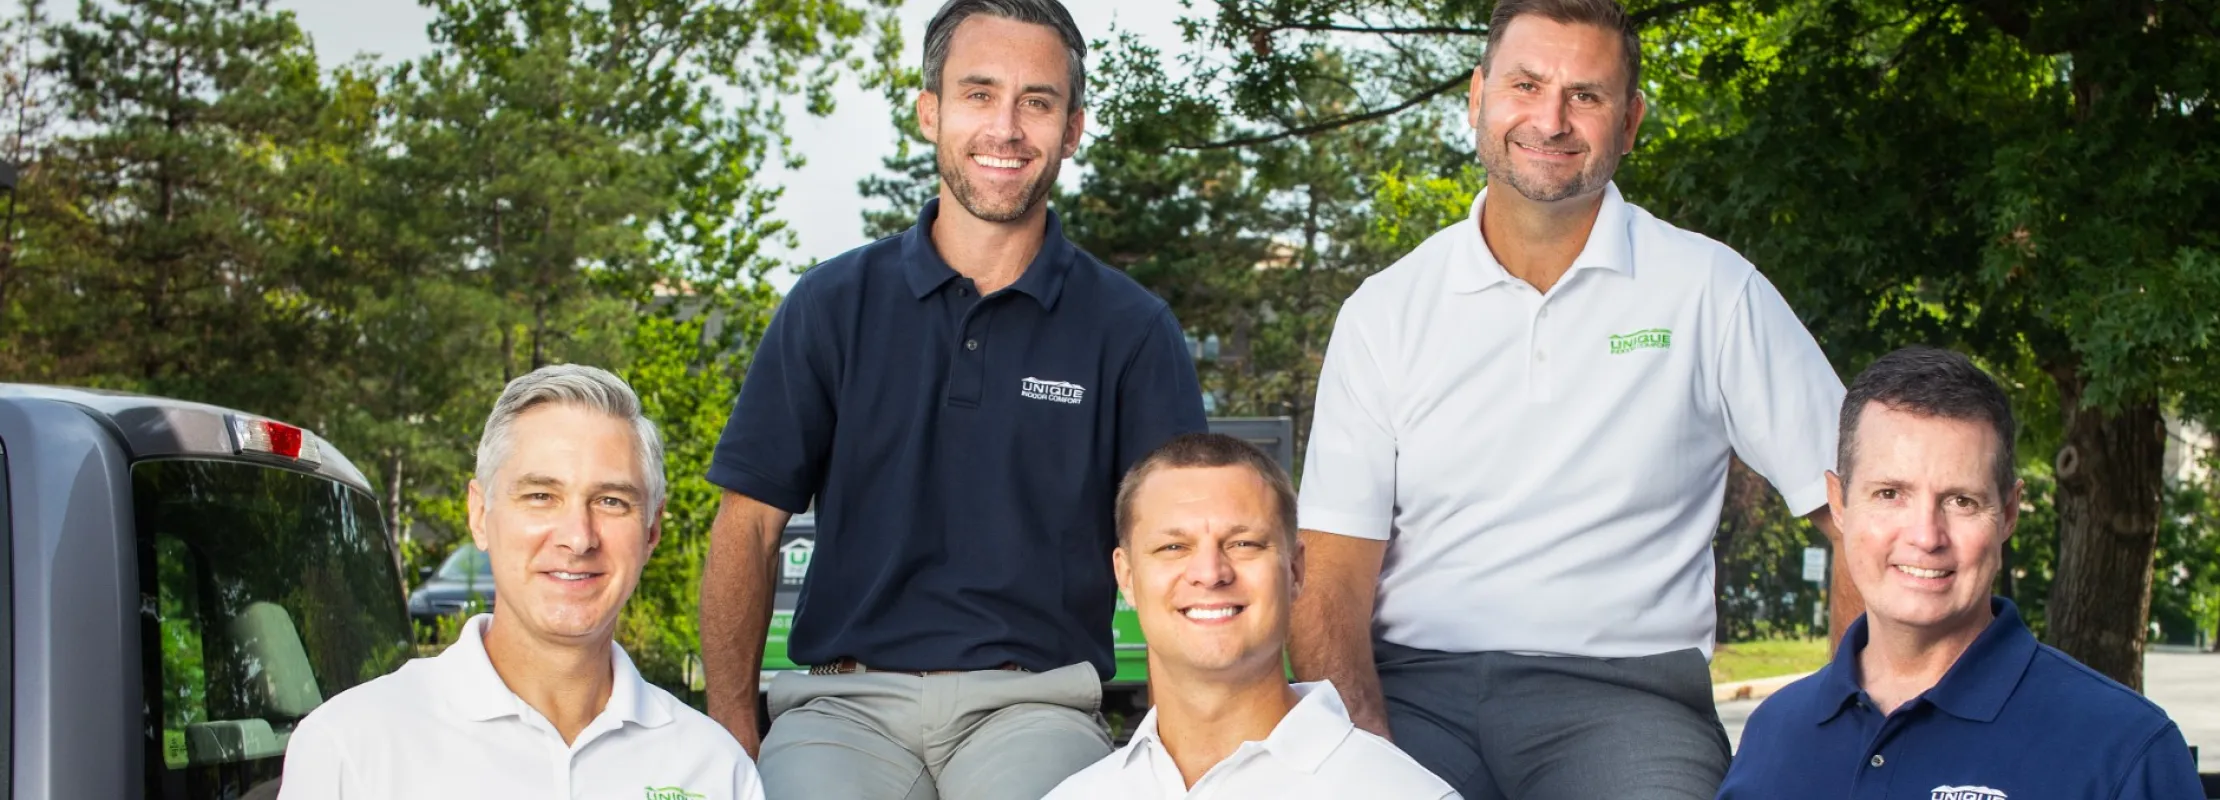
(820, 753)
(1022, 751)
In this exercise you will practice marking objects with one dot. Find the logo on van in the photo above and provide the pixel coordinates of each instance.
(1651, 339)
(1966, 793)
(1052, 391)
(794, 558)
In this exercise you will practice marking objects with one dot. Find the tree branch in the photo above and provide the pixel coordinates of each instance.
(1640, 19)
(1331, 124)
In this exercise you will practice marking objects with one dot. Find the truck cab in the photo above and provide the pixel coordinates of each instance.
(184, 583)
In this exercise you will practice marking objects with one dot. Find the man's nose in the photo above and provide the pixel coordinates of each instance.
(577, 530)
(1209, 567)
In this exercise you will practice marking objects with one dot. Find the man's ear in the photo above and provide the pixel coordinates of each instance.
(2012, 508)
(655, 527)
(1122, 567)
(476, 505)
(1835, 498)
(928, 114)
(1296, 567)
(1074, 128)
(1634, 113)
(1472, 97)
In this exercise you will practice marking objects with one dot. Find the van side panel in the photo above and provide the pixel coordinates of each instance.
(76, 661)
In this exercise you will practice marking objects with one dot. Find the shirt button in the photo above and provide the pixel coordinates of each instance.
(1541, 355)
(971, 344)
(1877, 760)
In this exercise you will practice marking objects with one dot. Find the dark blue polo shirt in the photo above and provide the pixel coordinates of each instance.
(2012, 720)
(963, 451)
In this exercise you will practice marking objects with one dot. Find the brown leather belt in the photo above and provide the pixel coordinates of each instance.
(849, 666)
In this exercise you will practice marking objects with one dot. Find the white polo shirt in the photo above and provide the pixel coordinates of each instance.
(1315, 753)
(447, 727)
(1548, 467)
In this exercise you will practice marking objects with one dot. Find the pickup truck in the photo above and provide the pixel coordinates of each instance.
(182, 584)
(1127, 691)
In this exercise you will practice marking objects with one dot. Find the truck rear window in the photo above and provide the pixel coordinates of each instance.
(263, 592)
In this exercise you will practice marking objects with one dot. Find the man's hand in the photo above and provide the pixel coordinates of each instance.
(1332, 634)
(737, 584)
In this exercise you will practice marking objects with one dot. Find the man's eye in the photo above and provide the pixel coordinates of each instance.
(1524, 86)
(1038, 104)
(538, 497)
(617, 503)
(1247, 543)
(1585, 97)
(1885, 494)
(1171, 548)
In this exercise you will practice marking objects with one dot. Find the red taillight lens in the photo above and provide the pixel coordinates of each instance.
(273, 438)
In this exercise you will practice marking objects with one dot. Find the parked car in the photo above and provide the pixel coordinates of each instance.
(184, 583)
(462, 585)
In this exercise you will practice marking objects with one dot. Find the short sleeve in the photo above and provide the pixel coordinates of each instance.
(2164, 772)
(1783, 401)
(1349, 469)
(314, 768)
(1159, 396)
(779, 436)
(747, 784)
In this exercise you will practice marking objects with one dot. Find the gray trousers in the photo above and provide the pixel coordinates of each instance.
(991, 735)
(1499, 726)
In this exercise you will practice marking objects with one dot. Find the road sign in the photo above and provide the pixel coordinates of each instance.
(1815, 564)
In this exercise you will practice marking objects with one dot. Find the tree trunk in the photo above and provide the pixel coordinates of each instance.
(2109, 475)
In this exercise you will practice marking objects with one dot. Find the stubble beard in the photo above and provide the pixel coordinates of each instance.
(1496, 158)
(976, 201)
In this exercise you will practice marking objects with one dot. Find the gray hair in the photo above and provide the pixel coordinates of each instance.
(585, 387)
(1050, 13)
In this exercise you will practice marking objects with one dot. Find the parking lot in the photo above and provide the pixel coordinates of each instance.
(2184, 682)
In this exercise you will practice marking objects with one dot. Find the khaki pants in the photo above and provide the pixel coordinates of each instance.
(990, 735)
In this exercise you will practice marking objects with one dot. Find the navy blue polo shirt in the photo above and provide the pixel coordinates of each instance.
(964, 452)
(2014, 719)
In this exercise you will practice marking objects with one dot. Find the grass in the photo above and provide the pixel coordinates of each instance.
(1767, 658)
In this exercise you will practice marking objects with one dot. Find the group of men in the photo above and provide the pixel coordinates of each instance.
(1495, 581)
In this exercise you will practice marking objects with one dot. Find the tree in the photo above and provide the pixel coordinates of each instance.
(2019, 180)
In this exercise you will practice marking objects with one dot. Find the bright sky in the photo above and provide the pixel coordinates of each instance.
(821, 198)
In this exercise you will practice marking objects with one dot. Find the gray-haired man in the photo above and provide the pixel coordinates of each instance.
(536, 699)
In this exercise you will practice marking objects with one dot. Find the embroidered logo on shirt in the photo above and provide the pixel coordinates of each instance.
(672, 793)
(1052, 391)
(1652, 339)
(1965, 793)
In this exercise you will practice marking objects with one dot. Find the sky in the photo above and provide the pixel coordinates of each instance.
(821, 203)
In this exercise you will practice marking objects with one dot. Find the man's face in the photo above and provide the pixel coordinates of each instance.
(1209, 573)
(1001, 121)
(1552, 110)
(1923, 524)
(566, 523)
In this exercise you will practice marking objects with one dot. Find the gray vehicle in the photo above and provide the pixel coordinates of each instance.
(462, 585)
(184, 583)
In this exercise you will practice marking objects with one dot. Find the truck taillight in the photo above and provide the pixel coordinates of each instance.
(250, 435)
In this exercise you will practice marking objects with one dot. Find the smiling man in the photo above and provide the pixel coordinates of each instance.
(1208, 558)
(536, 699)
(1939, 690)
(957, 402)
(1521, 438)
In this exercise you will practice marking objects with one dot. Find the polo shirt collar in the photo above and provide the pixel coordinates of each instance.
(1043, 279)
(473, 691)
(1310, 732)
(1974, 689)
(1610, 245)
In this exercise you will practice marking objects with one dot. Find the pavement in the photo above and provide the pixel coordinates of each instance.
(2184, 682)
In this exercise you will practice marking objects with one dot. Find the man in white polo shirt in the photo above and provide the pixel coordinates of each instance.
(536, 699)
(1521, 440)
(1208, 558)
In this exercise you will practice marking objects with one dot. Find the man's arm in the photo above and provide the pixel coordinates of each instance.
(737, 585)
(2164, 772)
(1331, 637)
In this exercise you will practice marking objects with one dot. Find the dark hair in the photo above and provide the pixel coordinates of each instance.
(1930, 382)
(942, 31)
(1203, 450)
(1605, 14)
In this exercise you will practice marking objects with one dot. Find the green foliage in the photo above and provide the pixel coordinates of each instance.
(374, 251)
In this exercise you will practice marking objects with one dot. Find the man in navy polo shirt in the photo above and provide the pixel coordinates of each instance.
(959, 401)
(1939, 692)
